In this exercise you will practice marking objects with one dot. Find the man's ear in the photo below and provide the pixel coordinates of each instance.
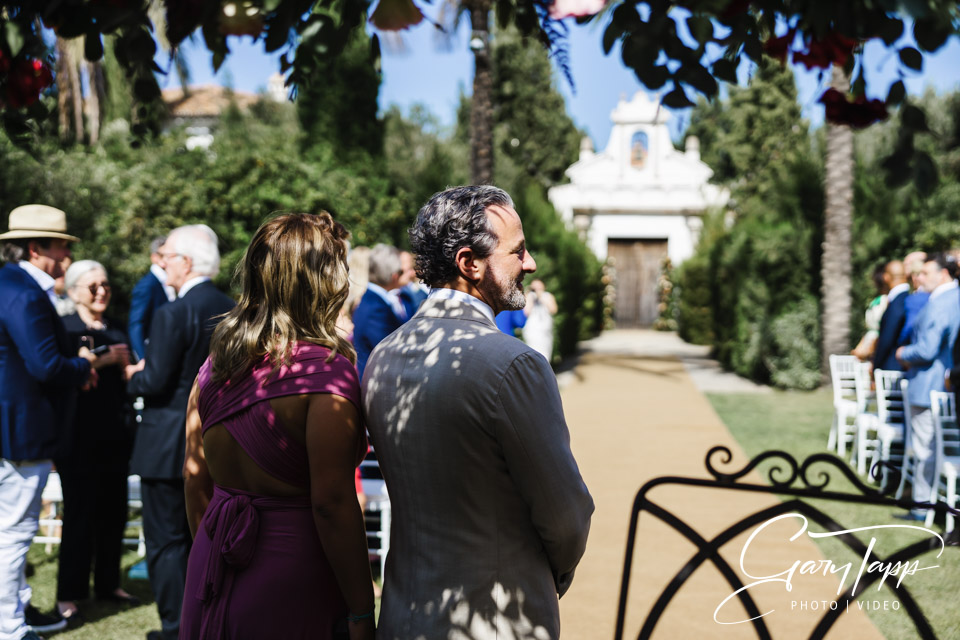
(469, 267)
(33, 249)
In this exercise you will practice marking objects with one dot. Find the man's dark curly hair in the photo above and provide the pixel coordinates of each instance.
(450, 220)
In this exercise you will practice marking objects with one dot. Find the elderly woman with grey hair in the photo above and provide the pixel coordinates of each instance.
(94, 456)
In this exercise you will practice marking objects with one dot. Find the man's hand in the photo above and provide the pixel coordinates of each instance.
(91, 382)
(131, 369)
(899, 356)
(118, 354)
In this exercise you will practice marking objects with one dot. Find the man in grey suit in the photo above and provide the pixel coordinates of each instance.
(928, 360)
(490, 513)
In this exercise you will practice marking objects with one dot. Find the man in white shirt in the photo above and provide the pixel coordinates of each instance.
(490, 513)
(179, 343)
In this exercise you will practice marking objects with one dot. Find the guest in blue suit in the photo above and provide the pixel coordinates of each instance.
(149, 294)
(39, 377)
(411, 292)
(380, 311)
(891, 324)
(509, 321)
(928, 359)
(913, 263)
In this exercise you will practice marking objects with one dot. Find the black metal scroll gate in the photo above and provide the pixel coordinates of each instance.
(810, 485)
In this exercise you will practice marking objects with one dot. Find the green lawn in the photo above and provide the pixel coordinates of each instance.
(799, 422)
(102, 621)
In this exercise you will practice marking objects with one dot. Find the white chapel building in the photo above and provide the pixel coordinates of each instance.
(637, 202)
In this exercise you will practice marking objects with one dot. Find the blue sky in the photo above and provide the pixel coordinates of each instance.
(425, 71)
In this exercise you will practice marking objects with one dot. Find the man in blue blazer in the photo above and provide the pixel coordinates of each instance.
(928, 359)
(380, 311)
(40, 373)
(412, 293)
(149, 294)
(891, 324)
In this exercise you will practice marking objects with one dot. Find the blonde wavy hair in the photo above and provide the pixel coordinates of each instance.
(293, 280)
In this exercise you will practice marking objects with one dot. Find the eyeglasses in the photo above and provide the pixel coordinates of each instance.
(94, 288)
(170, 256)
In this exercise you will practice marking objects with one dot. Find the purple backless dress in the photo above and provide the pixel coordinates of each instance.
(257, 569)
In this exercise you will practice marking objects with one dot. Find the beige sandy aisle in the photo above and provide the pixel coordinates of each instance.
(634, 414)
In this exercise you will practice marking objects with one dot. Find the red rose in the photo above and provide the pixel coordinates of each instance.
(26, 80)
(778, 47)
(857, 114)
(833, 49)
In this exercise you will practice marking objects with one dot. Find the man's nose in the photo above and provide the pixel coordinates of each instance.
(529, 264)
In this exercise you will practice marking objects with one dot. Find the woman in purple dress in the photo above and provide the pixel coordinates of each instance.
(273, 437)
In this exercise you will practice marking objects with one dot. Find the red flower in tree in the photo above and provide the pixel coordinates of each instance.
(778, 47)
(857, 114)
(820, 54)
(26, 80)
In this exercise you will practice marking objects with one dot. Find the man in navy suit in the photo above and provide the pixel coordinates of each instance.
(891, 324)
(380, 311)
(928, 360)
(178, 345)
(39, 377)
(149, 294)
(411, 292)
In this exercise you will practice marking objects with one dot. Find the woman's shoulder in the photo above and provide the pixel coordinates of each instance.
(73, 324)
(309, 351)
(312, 361)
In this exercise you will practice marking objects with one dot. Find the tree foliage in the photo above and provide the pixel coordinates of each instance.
(751, 290)
(762, 271)
(684, 47)
(533, 130)
(340, 109)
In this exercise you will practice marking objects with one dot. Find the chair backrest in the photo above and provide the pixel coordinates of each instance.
(890, 396)
(905, 400)
(862, 383)
(946, 430)
(842, 374)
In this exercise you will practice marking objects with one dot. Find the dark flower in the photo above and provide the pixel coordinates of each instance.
(26, 80)
(778, 47)
(820, 54)
(857, 114)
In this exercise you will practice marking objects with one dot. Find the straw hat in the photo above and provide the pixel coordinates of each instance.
(37, 221)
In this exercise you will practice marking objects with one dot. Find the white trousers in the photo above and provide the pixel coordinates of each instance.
(921, 440)
(21, 486)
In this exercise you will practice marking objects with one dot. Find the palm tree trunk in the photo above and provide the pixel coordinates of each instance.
(481, 109)
(838, 222)
(64, 90)
(73, 72)
(96, 99)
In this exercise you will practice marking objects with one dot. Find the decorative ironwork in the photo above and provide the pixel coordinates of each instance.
(787, 478)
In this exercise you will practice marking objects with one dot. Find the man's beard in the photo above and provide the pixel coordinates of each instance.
(506, 295)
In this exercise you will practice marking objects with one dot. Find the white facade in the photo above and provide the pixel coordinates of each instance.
(640, 187)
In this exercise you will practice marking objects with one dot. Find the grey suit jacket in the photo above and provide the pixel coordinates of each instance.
(490, 513)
